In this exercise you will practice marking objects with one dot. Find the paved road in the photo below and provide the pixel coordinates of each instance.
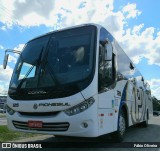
(149, 134)
(134, 134)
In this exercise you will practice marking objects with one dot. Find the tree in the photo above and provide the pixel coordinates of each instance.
(156, 104)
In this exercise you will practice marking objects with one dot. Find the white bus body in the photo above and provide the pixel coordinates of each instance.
(106, 94)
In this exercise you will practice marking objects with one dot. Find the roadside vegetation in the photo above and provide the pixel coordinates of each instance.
(156, 104)
(7, 135)
(2, 115)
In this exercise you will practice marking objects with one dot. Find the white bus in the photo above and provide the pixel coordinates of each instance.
(76, 82)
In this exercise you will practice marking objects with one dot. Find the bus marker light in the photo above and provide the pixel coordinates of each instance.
(110, 114)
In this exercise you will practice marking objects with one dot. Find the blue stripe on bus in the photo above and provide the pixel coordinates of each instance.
(123, 100)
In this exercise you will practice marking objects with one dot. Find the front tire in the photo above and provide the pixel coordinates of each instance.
(118, 136)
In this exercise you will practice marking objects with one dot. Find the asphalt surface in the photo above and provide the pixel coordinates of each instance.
(136, 134)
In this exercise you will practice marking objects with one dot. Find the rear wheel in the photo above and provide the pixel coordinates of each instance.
(119, 134)
(145, 123)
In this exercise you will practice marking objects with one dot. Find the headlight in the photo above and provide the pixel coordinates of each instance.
(80, 107)
(9, 110)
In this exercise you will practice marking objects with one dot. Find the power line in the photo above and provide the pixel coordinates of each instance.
(8, 14)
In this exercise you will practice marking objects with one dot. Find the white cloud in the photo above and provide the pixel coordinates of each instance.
(5, 76)
(130, 11)
(3, 28)
(155, 87)
(1, 47)
(62, 13)
(39, 7)
(136, 29)
(3, 91)
(6, 12)
(139, 44)
(26, 13)
(12, 59)
(19, 47)
(50, 13)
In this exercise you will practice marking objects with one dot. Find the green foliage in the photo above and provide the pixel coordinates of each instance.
(2, 115)
(156, 104)
(7, 135)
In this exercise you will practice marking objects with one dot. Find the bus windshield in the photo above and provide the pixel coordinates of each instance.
(57, 61)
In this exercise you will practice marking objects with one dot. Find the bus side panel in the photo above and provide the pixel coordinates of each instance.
(106, 112)
(105, 121)
(118, 92)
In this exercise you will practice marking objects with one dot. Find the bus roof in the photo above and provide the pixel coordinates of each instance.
(71, 27)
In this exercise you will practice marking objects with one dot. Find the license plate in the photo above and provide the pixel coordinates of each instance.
(35, 124)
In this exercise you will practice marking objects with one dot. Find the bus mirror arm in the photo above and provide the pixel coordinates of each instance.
(5, 61)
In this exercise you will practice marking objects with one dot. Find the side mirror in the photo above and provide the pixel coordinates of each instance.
(108, 52)
(5, 61)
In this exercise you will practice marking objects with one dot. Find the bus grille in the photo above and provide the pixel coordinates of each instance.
(39, 113)
(46, 126)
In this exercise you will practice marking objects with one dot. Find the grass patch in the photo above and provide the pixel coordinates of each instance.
(7, 135)
(2, 115)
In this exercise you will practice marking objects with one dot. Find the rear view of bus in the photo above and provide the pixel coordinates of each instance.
(76, 82)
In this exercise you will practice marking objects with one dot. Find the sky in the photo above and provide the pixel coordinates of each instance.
(135, 24)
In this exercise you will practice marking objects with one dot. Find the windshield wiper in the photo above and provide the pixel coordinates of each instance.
(51, 71)
(45, 63)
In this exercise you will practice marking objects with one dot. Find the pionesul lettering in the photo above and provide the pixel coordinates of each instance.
(54, 104)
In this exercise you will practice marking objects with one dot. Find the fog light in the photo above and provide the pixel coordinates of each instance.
(85, 125)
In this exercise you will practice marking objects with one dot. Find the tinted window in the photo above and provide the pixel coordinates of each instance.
(62, 62)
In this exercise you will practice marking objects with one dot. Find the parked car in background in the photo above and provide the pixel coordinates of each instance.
(156, 113)
(2, 110)
(2, 104)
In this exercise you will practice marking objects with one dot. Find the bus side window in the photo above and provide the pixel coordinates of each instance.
(109, 67)
(107, 63)
(106, 76)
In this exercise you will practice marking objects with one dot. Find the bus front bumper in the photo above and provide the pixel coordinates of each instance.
(83, 124)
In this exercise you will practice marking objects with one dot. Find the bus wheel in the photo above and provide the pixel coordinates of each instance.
(119, 134)
(145, 123)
